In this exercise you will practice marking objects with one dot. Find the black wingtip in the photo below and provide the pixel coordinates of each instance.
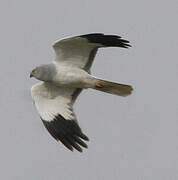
(107, 40)
(66, 131)
(79, 141)
(83, 136)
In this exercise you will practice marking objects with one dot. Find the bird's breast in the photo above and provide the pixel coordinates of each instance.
(71, 77)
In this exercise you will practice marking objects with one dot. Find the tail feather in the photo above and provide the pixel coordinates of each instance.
(113, 88)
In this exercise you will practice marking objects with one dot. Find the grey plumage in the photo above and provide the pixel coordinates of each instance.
(45, 72)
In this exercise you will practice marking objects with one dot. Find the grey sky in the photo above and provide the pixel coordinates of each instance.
(130, 138)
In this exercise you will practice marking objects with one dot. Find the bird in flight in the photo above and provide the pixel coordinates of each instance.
(63, 80)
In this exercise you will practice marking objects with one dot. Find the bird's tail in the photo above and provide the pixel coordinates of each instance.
(112, 87)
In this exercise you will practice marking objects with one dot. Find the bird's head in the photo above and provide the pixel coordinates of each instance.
(44, 72)
(35, 73)
(39, 73)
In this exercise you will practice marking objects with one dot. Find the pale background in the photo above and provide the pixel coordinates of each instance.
(133, 138)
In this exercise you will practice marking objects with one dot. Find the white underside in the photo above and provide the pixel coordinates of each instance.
(54, 98)
(69, 76)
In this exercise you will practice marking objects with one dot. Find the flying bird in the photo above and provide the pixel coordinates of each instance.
(63, 80)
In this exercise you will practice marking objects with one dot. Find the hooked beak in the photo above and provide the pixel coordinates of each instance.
(31, 74)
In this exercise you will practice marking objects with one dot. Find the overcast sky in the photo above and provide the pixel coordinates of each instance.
(132, 138)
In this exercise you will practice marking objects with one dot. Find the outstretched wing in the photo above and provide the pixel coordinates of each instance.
(80, 51)
(54, 105)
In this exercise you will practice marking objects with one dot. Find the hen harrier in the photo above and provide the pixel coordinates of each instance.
(63, 80)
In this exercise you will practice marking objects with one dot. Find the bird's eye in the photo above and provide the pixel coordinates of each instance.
(34, 71)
